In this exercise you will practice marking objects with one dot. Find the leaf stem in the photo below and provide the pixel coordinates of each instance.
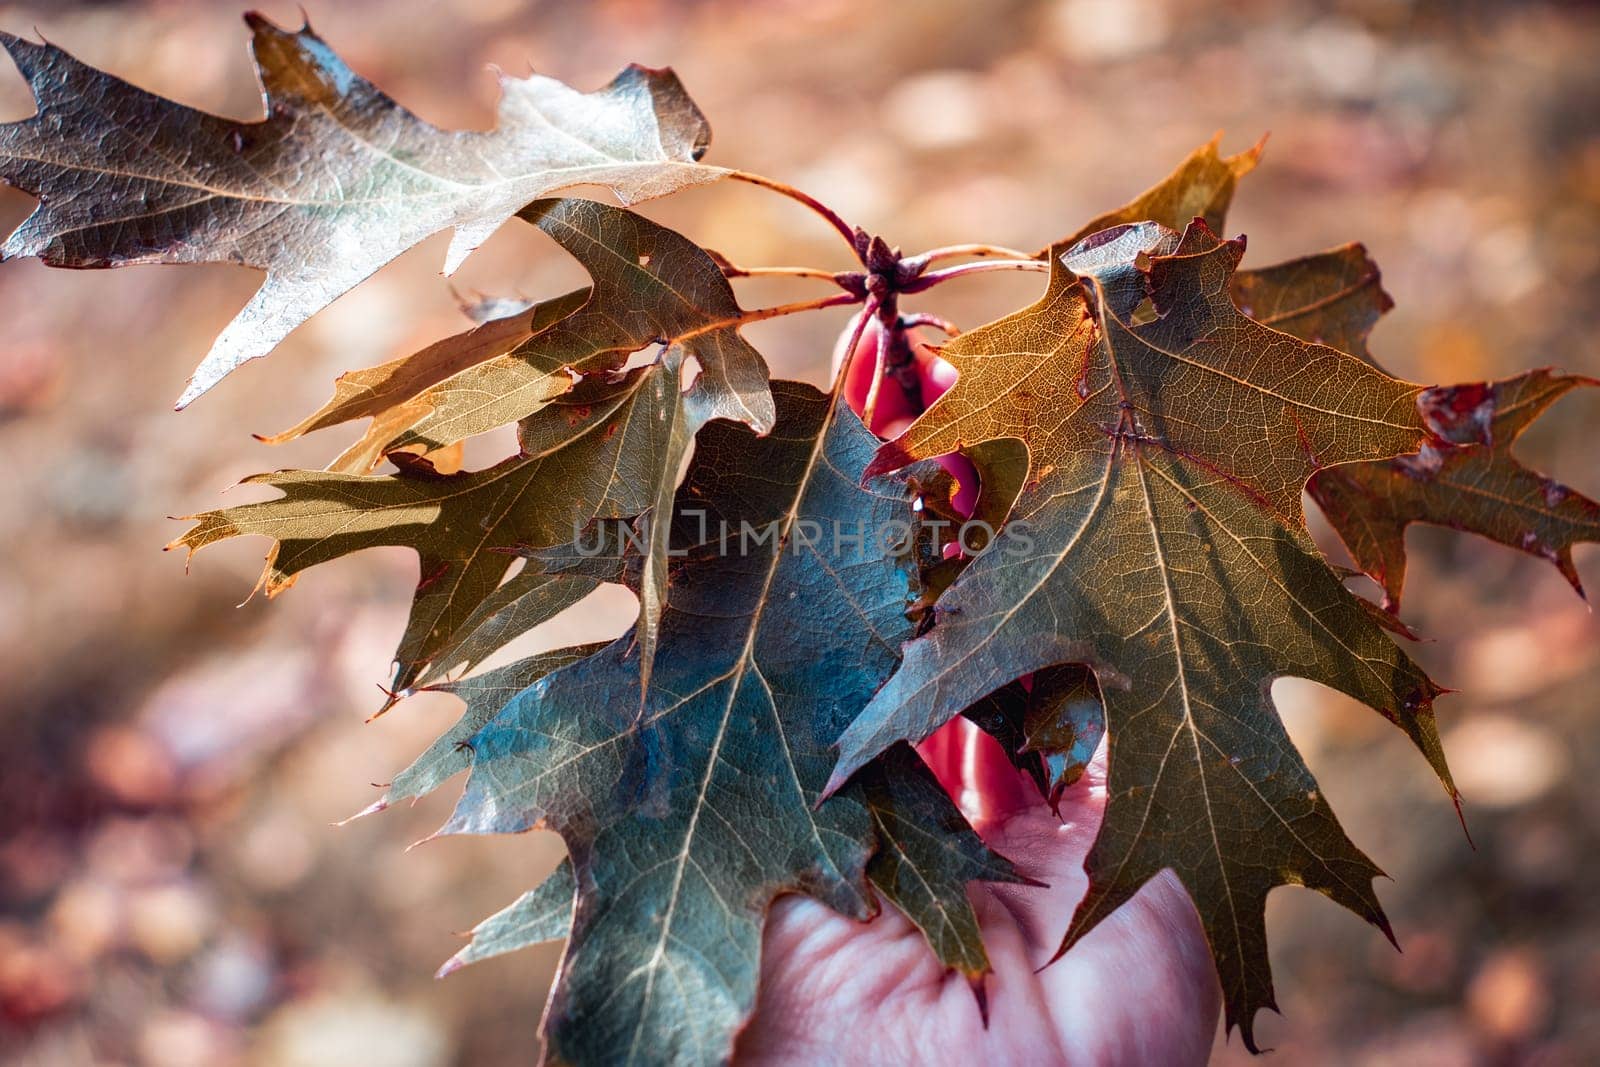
(880, 371)
(922, 318)
(932, 278)
(834, 301)
(843, 370)
(951, 251)
(733, 270)
(847, 231)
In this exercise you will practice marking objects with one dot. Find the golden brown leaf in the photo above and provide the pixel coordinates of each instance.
(335, 181)
(1159, 540)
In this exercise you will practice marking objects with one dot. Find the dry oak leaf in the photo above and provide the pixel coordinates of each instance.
(926, 856)
(1465, 478)
(542, 914)
(603, 450)
(484, 695)
(605, 444)
(335, 181)
(1200, 187)
(651, 286)
(688, 808)
(400, 394)
(1159, 540)
(1332, 298)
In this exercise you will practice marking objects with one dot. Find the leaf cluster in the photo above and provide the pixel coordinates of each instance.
(1143, 436)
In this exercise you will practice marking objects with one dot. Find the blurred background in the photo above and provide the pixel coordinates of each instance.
(172, 890)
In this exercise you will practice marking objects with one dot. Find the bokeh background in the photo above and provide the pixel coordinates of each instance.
(172, 889)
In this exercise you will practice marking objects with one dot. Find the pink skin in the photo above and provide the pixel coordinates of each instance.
(895, 411)
(1139, 989)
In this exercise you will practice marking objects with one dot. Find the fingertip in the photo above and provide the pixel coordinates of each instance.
(965, 500)
(893, 406)
(937, 374)
(858, 379)
(894, 427)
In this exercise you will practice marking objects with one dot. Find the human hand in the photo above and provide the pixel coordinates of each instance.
(1138, 989)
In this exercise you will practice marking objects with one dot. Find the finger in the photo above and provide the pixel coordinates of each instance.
(965, 499)
(1048, 849)
(893, 403)
(944, 751)
(937, 375)
(997, 790)
(1138, 988)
